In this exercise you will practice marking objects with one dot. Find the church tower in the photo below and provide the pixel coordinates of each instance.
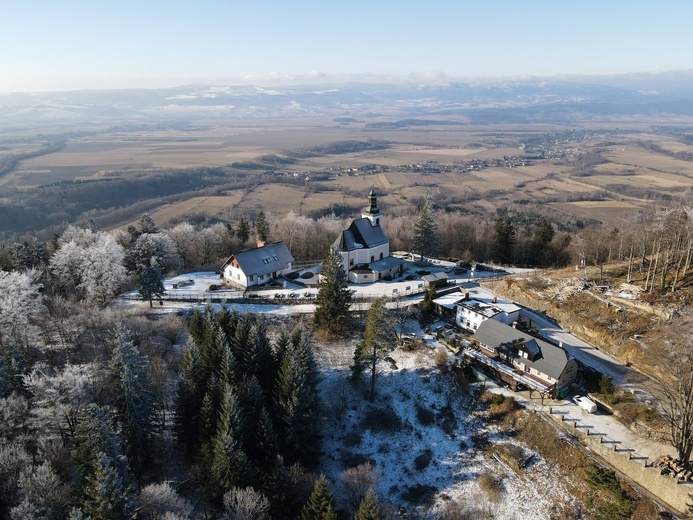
(372, 212)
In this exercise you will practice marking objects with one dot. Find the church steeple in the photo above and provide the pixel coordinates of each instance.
(372, 212)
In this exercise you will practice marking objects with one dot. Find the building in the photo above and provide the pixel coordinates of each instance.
(364, 248)
(532, 362)
(433, 280)
(257, 266)
(468, 313)
(472, 312)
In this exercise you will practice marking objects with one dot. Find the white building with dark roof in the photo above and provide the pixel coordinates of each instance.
(536, 363)
(364, 248)
(257, 266)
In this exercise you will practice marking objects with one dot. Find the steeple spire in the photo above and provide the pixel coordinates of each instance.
(372, 212)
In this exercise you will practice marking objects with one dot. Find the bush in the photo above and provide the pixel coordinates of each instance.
(422, 461)
(307, 275)
(425, 416)
(214, 287)
(419, 494)
(381, 420)
(292, 276)
(491, 485)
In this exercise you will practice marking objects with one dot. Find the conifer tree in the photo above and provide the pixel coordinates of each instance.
(377, 341)
(425, 241)
(132, 397)
(334, 298)
(262, 227)
(368, 508)
(243, 231)
(320, 504)
(503, 240)
(107, 498)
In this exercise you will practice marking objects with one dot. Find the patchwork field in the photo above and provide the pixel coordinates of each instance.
(594, 172)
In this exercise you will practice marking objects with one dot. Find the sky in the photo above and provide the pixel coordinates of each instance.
(75, 44)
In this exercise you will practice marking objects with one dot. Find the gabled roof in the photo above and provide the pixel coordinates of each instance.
(361, 234)
(262, 260)
(550, 360)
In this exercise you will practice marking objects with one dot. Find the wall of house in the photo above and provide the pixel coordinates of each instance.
(507, 318)
(235, 276)
(569, 374)
(363, 256)
(468, 319)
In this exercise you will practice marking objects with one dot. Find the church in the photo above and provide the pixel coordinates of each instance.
(364, 248)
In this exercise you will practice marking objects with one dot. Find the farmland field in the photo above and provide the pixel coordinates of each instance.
(600, 172)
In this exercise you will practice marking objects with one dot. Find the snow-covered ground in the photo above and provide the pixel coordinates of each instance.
(436, 421)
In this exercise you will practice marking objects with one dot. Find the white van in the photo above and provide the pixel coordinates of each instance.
(585, 403)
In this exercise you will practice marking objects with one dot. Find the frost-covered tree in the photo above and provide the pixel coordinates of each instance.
(246, 504)
(157, 500)
(89, 265)
(151, 257)
(13, 460)
(20, 303)
(132, 396)
(106, 495)
(334, 298)
(44, 495)
(57, 396)
(425, 241)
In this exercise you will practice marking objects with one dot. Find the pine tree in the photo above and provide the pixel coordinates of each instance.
(368, 508)
(132, 397)
(377, 341)
(296, 405)
(425, 241)
(545, 232)
(334, 298)
(147, 225)
(107, 498)
(262, 227)
(503, 240)
(243, 231)
(320, 504)
(151, 280)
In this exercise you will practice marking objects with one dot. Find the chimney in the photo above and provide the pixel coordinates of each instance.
(466, 296)
(495, 300)
(260, 243)
(514, 324)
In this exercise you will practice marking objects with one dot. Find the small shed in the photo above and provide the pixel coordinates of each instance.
(434, 280)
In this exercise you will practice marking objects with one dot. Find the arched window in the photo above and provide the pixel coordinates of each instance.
(381, 256)
(351, 262)
(377, 222)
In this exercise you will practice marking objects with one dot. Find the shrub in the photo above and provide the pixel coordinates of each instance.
(214, 287)
(425, 416)
(491, 485)
(292, 276)
(419, 494)
(381, 420)
(422, 461)
(307, 275)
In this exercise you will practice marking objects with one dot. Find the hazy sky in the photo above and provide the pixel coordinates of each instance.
(69, 44)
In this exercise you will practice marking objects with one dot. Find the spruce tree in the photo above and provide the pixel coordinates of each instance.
(262, 227)
(132, 397)
(107, 498)
(243, 231)
(425, 241)
(377, 341)
(334, 298)
(320, 504)
(504, 237)
(368, 508)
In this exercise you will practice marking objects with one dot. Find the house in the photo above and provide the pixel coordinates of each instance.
(257, 266)
(364, 248)
(468, 313)
(471, 312)
(527, 360)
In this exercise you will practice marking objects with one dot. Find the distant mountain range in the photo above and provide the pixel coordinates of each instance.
(555, 99)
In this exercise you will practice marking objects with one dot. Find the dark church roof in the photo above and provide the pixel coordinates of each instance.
(360, 235)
